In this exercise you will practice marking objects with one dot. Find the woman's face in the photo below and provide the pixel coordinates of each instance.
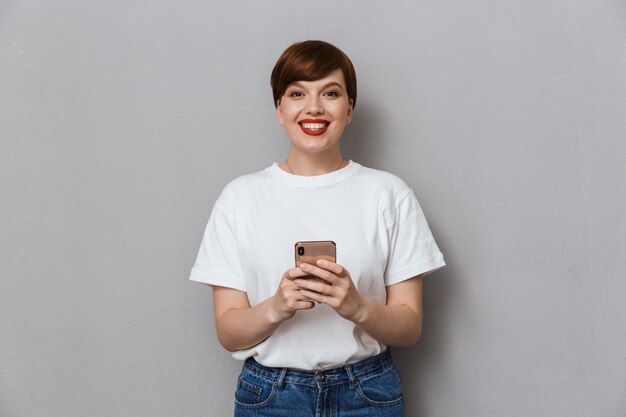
(315, 113)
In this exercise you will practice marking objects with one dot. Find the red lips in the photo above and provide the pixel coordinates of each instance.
(314, 127)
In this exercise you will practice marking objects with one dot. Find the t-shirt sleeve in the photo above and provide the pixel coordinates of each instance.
(412, 248)
(218, 260)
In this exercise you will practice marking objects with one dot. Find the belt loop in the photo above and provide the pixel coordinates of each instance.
(351, 377)
(281, 378)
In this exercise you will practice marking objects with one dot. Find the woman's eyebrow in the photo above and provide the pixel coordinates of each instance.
(332, 84)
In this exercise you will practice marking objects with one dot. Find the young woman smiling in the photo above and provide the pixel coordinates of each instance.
(313, 347)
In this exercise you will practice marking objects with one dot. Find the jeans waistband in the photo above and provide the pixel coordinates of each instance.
(343, 374)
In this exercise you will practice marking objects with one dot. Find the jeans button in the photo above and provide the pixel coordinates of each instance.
(320, 377)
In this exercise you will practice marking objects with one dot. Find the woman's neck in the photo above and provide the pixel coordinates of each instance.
(308, 165)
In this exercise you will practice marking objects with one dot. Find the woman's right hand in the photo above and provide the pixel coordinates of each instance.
(288, 300)
(240, 326)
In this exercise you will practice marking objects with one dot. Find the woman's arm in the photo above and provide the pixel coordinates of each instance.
(398, 322)
(240, 326)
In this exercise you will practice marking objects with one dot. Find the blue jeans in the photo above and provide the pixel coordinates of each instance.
(369, 388)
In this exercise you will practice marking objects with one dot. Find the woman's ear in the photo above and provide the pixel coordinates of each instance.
(350, 112)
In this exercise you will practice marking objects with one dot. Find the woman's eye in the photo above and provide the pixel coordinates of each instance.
(295, 94)
(331, 94)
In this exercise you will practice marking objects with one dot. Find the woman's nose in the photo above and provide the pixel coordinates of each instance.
(314, 106)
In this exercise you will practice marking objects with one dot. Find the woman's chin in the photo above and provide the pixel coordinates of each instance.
(314, 145)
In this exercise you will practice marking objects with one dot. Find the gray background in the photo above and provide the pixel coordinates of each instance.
(121, 121)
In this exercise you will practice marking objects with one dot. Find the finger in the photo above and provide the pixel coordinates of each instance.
(335, 268)
(315, 296)
(295, 300)
(294, 273)
(305, 304)
(315, 286)
(320, 273)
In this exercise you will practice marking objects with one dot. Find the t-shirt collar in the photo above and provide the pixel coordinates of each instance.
(313, 180)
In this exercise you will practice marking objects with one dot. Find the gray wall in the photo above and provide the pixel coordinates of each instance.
(121, 121)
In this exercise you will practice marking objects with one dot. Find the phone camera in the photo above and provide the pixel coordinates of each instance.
(300, 250)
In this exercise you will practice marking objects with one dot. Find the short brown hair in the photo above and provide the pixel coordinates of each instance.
(311, 61)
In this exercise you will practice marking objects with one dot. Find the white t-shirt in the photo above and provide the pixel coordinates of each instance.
(374, 218)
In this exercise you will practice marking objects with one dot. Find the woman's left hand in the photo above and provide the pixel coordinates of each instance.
(338, 290)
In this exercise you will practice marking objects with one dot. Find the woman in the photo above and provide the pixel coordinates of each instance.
(314, 346)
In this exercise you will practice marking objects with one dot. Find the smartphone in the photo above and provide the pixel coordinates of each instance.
(310, 251)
